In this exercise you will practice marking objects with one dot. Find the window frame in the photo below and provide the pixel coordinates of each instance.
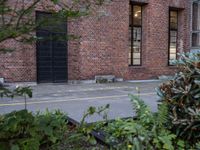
(131, 25)
(169, 34)
(192, 30)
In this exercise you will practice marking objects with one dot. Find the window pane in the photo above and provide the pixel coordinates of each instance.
(130, 32)
(196, 40)
(172, 56)
(172, 49)
(173, 19)
(136, 62)
(173, 36)
(173, 31)
(129, 55)
(135, 34)
(173, 40)
(136, 47)
(137, 15)
(136, 55)
(196, 16)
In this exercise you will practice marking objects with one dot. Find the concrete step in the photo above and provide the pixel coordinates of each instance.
(105, 79)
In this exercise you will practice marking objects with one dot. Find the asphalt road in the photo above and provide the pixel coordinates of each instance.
(74, 99)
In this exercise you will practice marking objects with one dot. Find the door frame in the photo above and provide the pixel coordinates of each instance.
(37, 68)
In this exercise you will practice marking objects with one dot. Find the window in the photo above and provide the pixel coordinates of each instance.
(173, 34)
(135, 30)
(196, 24)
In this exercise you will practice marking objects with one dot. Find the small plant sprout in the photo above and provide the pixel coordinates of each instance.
(138, 91)
(25, 92)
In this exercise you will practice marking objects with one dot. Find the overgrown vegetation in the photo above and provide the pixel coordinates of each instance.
(81, 138)
(25, 92)
(21, 130)
(18, 19)
(176, 125)
(149, 131)
(182, 96)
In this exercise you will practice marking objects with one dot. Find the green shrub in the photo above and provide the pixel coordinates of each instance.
(21, 130)
(149, 131)
(25, 92)
(5, 92)
(182, 95)
(80, 137)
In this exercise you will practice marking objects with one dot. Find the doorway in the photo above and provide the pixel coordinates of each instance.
(51, 48)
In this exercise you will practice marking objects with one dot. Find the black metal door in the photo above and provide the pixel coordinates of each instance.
(51, 49)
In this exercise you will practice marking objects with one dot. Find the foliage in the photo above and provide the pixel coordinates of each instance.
(5, 92)
(197, 146)
(1, 84)
(182, 95)
(18, 21)
(23, 130)
(81, 136)
(148, 131)
(175, 126)
(25, 92)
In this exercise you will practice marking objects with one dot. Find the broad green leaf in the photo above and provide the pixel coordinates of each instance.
(15, 147)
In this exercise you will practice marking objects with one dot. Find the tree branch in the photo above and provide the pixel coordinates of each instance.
(14, 10)
(25, 12)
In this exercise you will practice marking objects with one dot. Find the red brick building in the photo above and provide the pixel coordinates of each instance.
(129, 39)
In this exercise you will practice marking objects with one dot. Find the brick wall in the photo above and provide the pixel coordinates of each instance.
(105, 36)
(19, 65)
(103, 45)
(155, 37)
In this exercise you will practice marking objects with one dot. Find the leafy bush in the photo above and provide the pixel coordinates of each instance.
(182, 95)
(148, 131)
(25, 92)
(5, 92)
(80, 136)
(21, 130)
(176, 125)
(1, 84)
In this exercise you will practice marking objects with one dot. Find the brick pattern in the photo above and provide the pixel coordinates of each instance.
(155, 38)
(103, 46)
(19, 65)
(73, 50)
(104, 43)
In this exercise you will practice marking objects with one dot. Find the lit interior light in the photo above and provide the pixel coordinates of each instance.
(137, 13)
